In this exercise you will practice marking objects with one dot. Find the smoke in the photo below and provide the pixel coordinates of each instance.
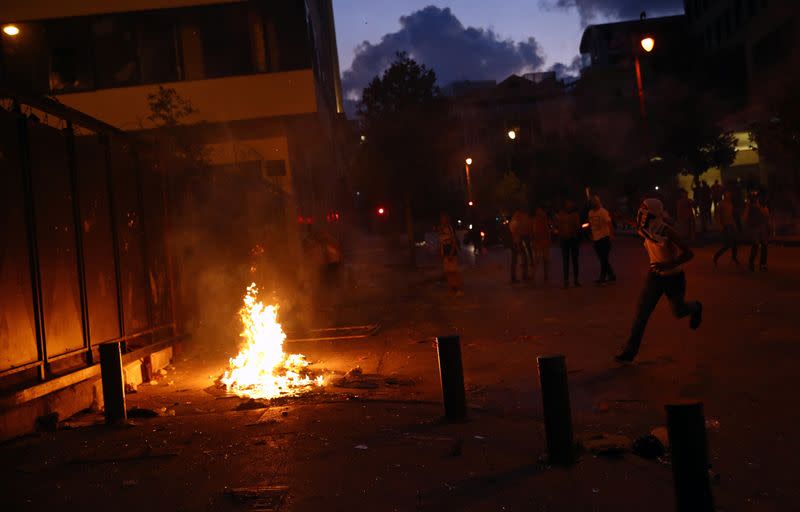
(592, 10)
(568, 72)
(435, 37)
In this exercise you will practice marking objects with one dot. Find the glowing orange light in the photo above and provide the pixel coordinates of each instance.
(648, 43)
(512, 134)
(11, 30)
(469, 161)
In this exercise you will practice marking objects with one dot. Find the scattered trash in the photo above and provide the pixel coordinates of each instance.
(601, 407)
(662, 435)
(648, 447)
(361, 447)
(262, 498)
(141, 412)
(456, 449)
(47, 422)
(609, 445)
(250, 405)
(129, 483)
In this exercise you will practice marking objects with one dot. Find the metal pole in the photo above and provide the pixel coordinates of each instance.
(557, 413)
(33, 239)
(640, 88)
(687, 439)
(72, 160)
(451, 373)
(113, 382)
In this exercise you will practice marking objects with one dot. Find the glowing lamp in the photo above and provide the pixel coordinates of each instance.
(470, 203)
(648, 43)
(512, 134)
(11, 30)
(469, 161)
(381, 211)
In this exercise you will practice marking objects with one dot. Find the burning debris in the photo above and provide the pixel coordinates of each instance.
(262, 370)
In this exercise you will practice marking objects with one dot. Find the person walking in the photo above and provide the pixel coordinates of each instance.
(542, 233)
(730, 233)
(756, 219)
(568, 223)
(668, 253)
(449, 250)
(521, 230)
(717, 192)
(602, 232)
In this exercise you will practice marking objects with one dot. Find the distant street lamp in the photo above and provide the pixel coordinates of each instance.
(512, 134)
(647, 43)
(468, 162)
(11, 30)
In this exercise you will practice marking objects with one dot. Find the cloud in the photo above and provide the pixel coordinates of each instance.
(436, 38)
(568, 72)
(591, 10)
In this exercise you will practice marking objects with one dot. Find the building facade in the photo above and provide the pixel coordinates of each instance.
(262, 78)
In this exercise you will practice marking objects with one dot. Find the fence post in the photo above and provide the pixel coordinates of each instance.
(451, 373)
(113, 382)
(687, 439)
(557, 414)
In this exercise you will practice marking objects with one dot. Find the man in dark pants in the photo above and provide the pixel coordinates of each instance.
(668, 253)
(569, 226)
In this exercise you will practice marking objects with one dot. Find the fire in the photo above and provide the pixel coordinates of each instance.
(262, 369)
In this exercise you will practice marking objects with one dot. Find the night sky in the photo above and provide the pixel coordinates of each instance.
(473, 39)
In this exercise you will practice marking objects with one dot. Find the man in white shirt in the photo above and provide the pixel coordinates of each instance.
(602, 233)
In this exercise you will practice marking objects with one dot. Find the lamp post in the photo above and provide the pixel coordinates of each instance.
(467, 164)
(647, 43)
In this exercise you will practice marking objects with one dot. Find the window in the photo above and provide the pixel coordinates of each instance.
(69, 45)
(287, 37)
(157, 49)
(115, 51)
(225, 40)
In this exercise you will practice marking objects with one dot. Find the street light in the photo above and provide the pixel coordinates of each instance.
(512, 134)
(648, 43)
(11, 30)
(468, 162)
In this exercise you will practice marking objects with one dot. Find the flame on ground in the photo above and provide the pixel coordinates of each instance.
(262, 369)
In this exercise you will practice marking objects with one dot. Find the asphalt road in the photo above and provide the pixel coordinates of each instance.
(382, 445)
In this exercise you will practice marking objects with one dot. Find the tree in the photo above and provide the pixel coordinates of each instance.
(690, 138)
(404, 124)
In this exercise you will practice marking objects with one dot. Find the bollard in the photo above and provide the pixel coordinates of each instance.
(687, 439)
(557, 414)
(113, 383)
(451, 373)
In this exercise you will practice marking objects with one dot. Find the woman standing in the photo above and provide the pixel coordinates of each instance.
(449, 250)
(756, 219)
(602, 233)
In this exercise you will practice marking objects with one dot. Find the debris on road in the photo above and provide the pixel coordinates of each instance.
(141, 412)
(260, 498)
(250, 405)
(609, 445)
(648, 447)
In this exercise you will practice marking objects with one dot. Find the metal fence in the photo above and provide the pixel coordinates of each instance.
(83, 254)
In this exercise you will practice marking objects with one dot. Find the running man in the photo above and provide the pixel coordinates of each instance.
(668, 253)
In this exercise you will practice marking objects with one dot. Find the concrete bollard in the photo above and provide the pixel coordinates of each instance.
(687, 439)
(113, 383)
(451, 373)
(557, 413)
